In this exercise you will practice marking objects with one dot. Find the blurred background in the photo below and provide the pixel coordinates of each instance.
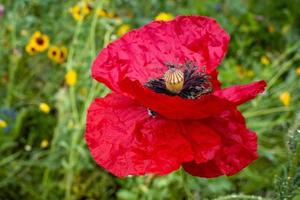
(46, 50)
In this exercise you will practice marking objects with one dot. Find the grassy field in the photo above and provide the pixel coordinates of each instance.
(46, 87)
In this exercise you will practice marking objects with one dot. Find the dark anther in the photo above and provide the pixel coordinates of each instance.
(196, 82)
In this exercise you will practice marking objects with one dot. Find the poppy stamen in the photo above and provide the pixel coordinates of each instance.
(184, 80)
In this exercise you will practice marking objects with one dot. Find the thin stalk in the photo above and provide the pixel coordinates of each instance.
(79, 127)
(267, 111)
(95, 85)
(274, 77)
(12, 68)
(240, 196)
(283, 69)
(295, 158)
(69, 66)
(185, 184)
(75, 113)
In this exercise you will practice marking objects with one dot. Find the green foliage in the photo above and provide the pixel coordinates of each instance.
(31, 169)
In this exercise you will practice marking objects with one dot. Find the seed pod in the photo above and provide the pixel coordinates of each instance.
(174, 79)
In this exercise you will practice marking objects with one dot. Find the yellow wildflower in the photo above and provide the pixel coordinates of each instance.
(104, 13)
(77, 13)
(271, 28)
(45, 108)
(57, 54)
(3, 124)
(250, 73)
(53, 53)
(101, 12)
(264, 60)
(30, 49)
(71, 77)
(111, 14)
(298, 70)
(39, 41)
(63, 54)
(285, 29)
(163, 16)
(80, 10)
(86, 8)
(123, 29)
(44, 144)
(240, 71)
(285, 98)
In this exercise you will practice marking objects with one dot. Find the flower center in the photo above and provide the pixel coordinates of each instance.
(40, 41)
(184, 80)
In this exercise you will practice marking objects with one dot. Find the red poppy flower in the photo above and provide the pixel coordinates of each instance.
(167, 108)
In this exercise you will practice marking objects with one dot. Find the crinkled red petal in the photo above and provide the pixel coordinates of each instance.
(240, 94)
(239, 147)
(205, 142)
(175, 107)
(141, 54)
(125, 140)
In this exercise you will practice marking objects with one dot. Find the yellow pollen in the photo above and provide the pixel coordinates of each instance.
(174, 79)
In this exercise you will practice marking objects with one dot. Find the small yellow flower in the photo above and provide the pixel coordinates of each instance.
(77, 13)
(71, 77)
(123, 29)
(111, 14)
(30, 49)
(250, 73)
(285, 98)
(264, 60)
(240, 71)
(44, 144)
(101, 12)
(39, 41)
(285, 29)
(271, 28)
(45, 108)
(163, 16)
(63, 55)
(298, 70)
(3, 124)
(57, 54)
(86, 8)
(54, 53)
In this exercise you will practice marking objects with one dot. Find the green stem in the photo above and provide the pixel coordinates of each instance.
(267, 111)
(240, 197)
(295, 158)
(281, 70)
(78, 119)
(185, 185)
(69, 66)
(12, 68)
(72, 97)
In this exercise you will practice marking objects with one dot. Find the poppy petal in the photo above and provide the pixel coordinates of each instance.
(141, 54)
(240, 94)
(125, 140)
(239, 147)
(175, 107)
(205, 142)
